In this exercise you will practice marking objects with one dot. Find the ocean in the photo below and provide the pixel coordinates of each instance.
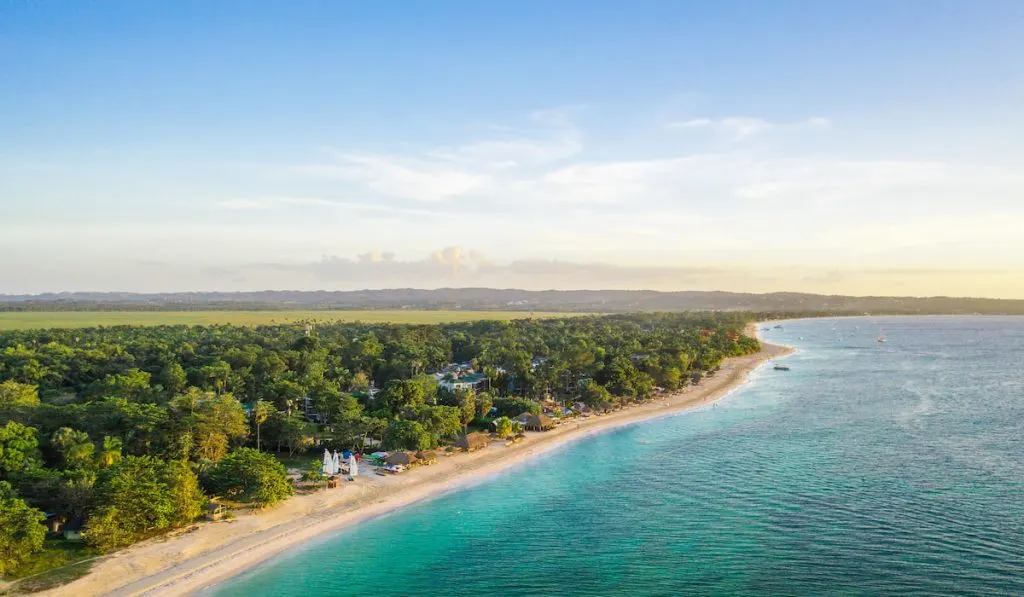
(867, 469)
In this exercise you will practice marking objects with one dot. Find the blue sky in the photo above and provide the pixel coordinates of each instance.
(854, 147)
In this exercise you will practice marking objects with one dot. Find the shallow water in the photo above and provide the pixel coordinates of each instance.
(867, 469)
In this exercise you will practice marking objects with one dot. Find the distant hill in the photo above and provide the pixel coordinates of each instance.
(487, 299)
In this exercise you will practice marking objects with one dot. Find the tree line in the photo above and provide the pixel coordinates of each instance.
(134, 429)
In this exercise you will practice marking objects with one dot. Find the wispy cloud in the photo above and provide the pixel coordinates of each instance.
(245, 204)
(737, 128)
(446, 172)
(269, 203)
(455, 266)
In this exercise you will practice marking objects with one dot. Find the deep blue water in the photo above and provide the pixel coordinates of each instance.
(868, 469)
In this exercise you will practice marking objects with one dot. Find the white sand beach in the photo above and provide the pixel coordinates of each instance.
(187, 561)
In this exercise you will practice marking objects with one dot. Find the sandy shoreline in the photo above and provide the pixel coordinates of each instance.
(187, 562)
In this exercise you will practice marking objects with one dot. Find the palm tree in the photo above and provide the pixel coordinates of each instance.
(110, 454)
(74, 446)
(261, 411)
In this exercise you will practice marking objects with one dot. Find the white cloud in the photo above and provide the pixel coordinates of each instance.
(737, 128)
(417, 178)
(244, 204)
(696, 123)
(268, 203)
(443, 173)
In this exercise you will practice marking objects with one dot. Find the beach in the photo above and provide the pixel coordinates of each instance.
(187, 561)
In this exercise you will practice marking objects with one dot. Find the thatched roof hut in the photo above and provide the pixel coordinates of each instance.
(473, 441)
(605, 407)
(403, 458)
(581, 408)
(426, 457)
(539, 423)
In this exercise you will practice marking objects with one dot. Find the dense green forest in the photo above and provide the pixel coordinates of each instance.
(134, 429)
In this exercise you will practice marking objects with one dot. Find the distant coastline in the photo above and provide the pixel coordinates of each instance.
(790, 304)
(190, 561)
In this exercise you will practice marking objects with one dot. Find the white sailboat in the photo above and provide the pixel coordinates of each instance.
(881, 338)
(337, 463)
(353, 466)
(328, 462)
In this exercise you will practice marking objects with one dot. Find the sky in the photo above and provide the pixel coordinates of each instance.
(831, 147)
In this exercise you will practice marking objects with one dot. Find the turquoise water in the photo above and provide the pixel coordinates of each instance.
(868, 469)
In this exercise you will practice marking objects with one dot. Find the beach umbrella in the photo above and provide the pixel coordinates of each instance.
(328, 462)
(353, 466)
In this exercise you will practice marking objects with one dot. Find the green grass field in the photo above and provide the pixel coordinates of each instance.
(27, 320)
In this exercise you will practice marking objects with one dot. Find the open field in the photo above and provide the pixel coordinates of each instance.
(26, 320)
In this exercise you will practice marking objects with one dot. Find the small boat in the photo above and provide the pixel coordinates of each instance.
(778, 327)
(781, 368)
(881, 339)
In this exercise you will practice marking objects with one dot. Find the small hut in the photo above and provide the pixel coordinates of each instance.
(473, 441)
(72, 531)
(605, 407)
(215, 511)
(539, 422)
(426, 458)
(54, 522)
(403, 458)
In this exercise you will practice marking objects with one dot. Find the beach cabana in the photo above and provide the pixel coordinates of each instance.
(215, 511)
(538, 423)
(473, 441)
(582, 409)
(403, 458)
(426, 458)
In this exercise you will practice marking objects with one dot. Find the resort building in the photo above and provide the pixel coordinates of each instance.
(475, 381)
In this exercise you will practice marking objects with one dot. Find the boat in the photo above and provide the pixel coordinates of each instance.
(781, 368)
(778, 327)
(881, 339)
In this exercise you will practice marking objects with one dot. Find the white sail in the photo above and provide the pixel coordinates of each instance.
(328, 462)
(337, 463)
(353, 466)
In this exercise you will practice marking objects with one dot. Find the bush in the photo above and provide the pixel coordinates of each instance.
(21, 531)
(513, 406)
(249, 476)
(141, 495)
(407, 435)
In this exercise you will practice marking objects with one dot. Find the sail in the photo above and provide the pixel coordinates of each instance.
(328, 462)
(353, 466)
(337, 463)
